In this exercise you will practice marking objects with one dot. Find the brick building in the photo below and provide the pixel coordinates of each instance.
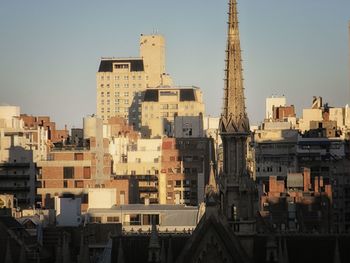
(54, 135)
(184, 170)
(297, 203)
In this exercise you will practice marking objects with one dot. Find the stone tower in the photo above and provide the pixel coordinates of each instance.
(237, 188)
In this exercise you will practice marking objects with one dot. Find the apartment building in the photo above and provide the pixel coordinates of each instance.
(184, 170)
(160, 106)
(54, 135)
(122, 81)
(140, 162)
(297, 203)
(274, 152)
(20, 148)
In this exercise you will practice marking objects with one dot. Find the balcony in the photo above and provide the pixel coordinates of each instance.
(148, 189)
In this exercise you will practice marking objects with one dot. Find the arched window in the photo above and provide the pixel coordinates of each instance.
(2, 203)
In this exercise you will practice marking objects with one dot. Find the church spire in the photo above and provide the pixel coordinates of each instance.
(235, 183)
(234, 116)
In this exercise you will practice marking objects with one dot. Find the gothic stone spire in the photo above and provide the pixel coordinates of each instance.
(234, 116)
(235, 183)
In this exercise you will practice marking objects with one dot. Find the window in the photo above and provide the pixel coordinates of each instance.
(113, 219)
(108, 93)
(147, 219)
(126, 101)
(87, 172)
(116, 85)
(117, 94)
(116, 77)
(79, 184)
(178, 183)
(120, 66)
(65, 184)
(135, 220)
(126, 94)
(126, 77)
(126, 85)
(95, 219)
(102, 94)
(68, 172)
(187, 194)
(78, 156)
(186, 183)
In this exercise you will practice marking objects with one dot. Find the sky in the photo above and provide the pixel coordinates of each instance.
(50, 50)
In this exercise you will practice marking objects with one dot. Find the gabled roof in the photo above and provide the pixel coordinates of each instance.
(213, 231)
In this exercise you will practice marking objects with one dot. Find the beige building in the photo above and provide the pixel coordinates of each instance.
(122, 81)
(271, 102)
(20, 148)
(161, 105)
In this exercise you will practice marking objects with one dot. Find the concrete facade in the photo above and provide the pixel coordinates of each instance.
(122, 81)
(20, 148)
(184, 170)
(272, 102)
(161, 105)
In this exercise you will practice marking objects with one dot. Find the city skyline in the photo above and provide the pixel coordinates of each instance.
(60, 57)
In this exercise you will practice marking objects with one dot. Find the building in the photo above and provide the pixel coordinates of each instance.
(275, 153)
(122, 81)
(75, 169)
(185, 170)
(160, 107)
(297, 204)
(168, 218)
(188, 126)
(53, 134)
(273, 102)
(20, 148)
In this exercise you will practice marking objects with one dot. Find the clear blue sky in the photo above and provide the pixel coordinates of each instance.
(50, 50)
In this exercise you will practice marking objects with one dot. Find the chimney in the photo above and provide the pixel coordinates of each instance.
(316, 183)
(306, 174)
